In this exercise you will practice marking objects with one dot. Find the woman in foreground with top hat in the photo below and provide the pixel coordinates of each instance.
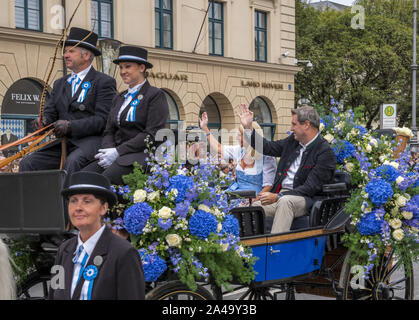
(97, 264)
(137, 113)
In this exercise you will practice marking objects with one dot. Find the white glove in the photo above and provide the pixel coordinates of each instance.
(107, 157)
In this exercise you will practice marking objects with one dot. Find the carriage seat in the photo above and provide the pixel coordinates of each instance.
(325, 206)
(326, 211)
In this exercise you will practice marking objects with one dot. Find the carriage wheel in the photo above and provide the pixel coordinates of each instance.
(177, 290)
(35, 287)
(390, 280)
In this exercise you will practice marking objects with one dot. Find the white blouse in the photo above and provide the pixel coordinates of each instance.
(269, 164)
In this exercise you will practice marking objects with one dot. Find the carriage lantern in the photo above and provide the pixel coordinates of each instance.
(110, 51)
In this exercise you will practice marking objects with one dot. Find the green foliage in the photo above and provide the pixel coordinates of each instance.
(22, 257)
(137, 178)
(367, 67)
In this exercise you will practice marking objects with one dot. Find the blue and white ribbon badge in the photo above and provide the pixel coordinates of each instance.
(85, 87)
(89, 275)
(132, 109)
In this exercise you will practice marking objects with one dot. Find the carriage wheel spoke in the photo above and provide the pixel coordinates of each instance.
(245, 295)
(384, 266)
(394, 268)
(397, 282)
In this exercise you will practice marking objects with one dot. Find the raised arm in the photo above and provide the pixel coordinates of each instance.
(214, 144)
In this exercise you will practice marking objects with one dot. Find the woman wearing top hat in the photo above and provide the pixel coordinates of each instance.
(137, 113)
(78, 107)
(97, 264)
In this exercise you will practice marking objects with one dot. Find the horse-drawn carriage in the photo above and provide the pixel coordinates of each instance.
(310, 258)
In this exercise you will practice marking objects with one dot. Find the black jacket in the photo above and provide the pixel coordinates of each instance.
(87, 119)
(317, 166)
(129, 136)
(120, 276)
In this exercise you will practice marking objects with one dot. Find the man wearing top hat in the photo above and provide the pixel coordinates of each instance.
(78, 107)
(136, 114)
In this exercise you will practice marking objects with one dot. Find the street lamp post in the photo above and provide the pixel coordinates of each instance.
(414, 140)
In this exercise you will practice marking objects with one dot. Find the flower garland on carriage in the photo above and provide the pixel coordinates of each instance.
(178, 218)
(384, 200)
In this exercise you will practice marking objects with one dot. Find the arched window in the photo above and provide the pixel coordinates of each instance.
(172, 122)
(211, 108)
(263, 116)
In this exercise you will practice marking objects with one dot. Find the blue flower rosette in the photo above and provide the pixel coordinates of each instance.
(85, 87)
(89, 275)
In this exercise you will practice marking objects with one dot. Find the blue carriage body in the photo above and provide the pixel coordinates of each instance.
(284, 260)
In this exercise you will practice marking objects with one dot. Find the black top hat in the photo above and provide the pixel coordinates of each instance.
(133, 54)
(78, 35)
(84, 182)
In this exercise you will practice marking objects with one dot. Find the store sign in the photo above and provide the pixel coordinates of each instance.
(23, 98)
(169, 76)
(267, 85)
(388, 116)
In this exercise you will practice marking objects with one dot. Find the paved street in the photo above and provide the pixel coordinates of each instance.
(299, 296)
(303, 296)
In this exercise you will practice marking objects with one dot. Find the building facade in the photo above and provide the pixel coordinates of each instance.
(207, 55)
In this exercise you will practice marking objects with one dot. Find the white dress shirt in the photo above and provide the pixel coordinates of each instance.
(288, 182)
(89, 246)
(81, 75)
(129, 98)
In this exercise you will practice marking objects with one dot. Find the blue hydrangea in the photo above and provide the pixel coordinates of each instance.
(379, 191)
(387, 172)
(327, 121)
(153, 265)
(369, 225)
(118, 224)
(230, 225)
(361, 129)
(413, 206)
(202, 224)
(182, 209)
(136, 216)
(165, 224)
(343, 149)
(182, 184)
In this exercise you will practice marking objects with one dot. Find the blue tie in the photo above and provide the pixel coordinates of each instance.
(76, 83)
(78, 253)
(132, 94)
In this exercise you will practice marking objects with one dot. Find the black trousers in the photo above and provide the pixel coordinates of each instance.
(49, 158)
(114, 172)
